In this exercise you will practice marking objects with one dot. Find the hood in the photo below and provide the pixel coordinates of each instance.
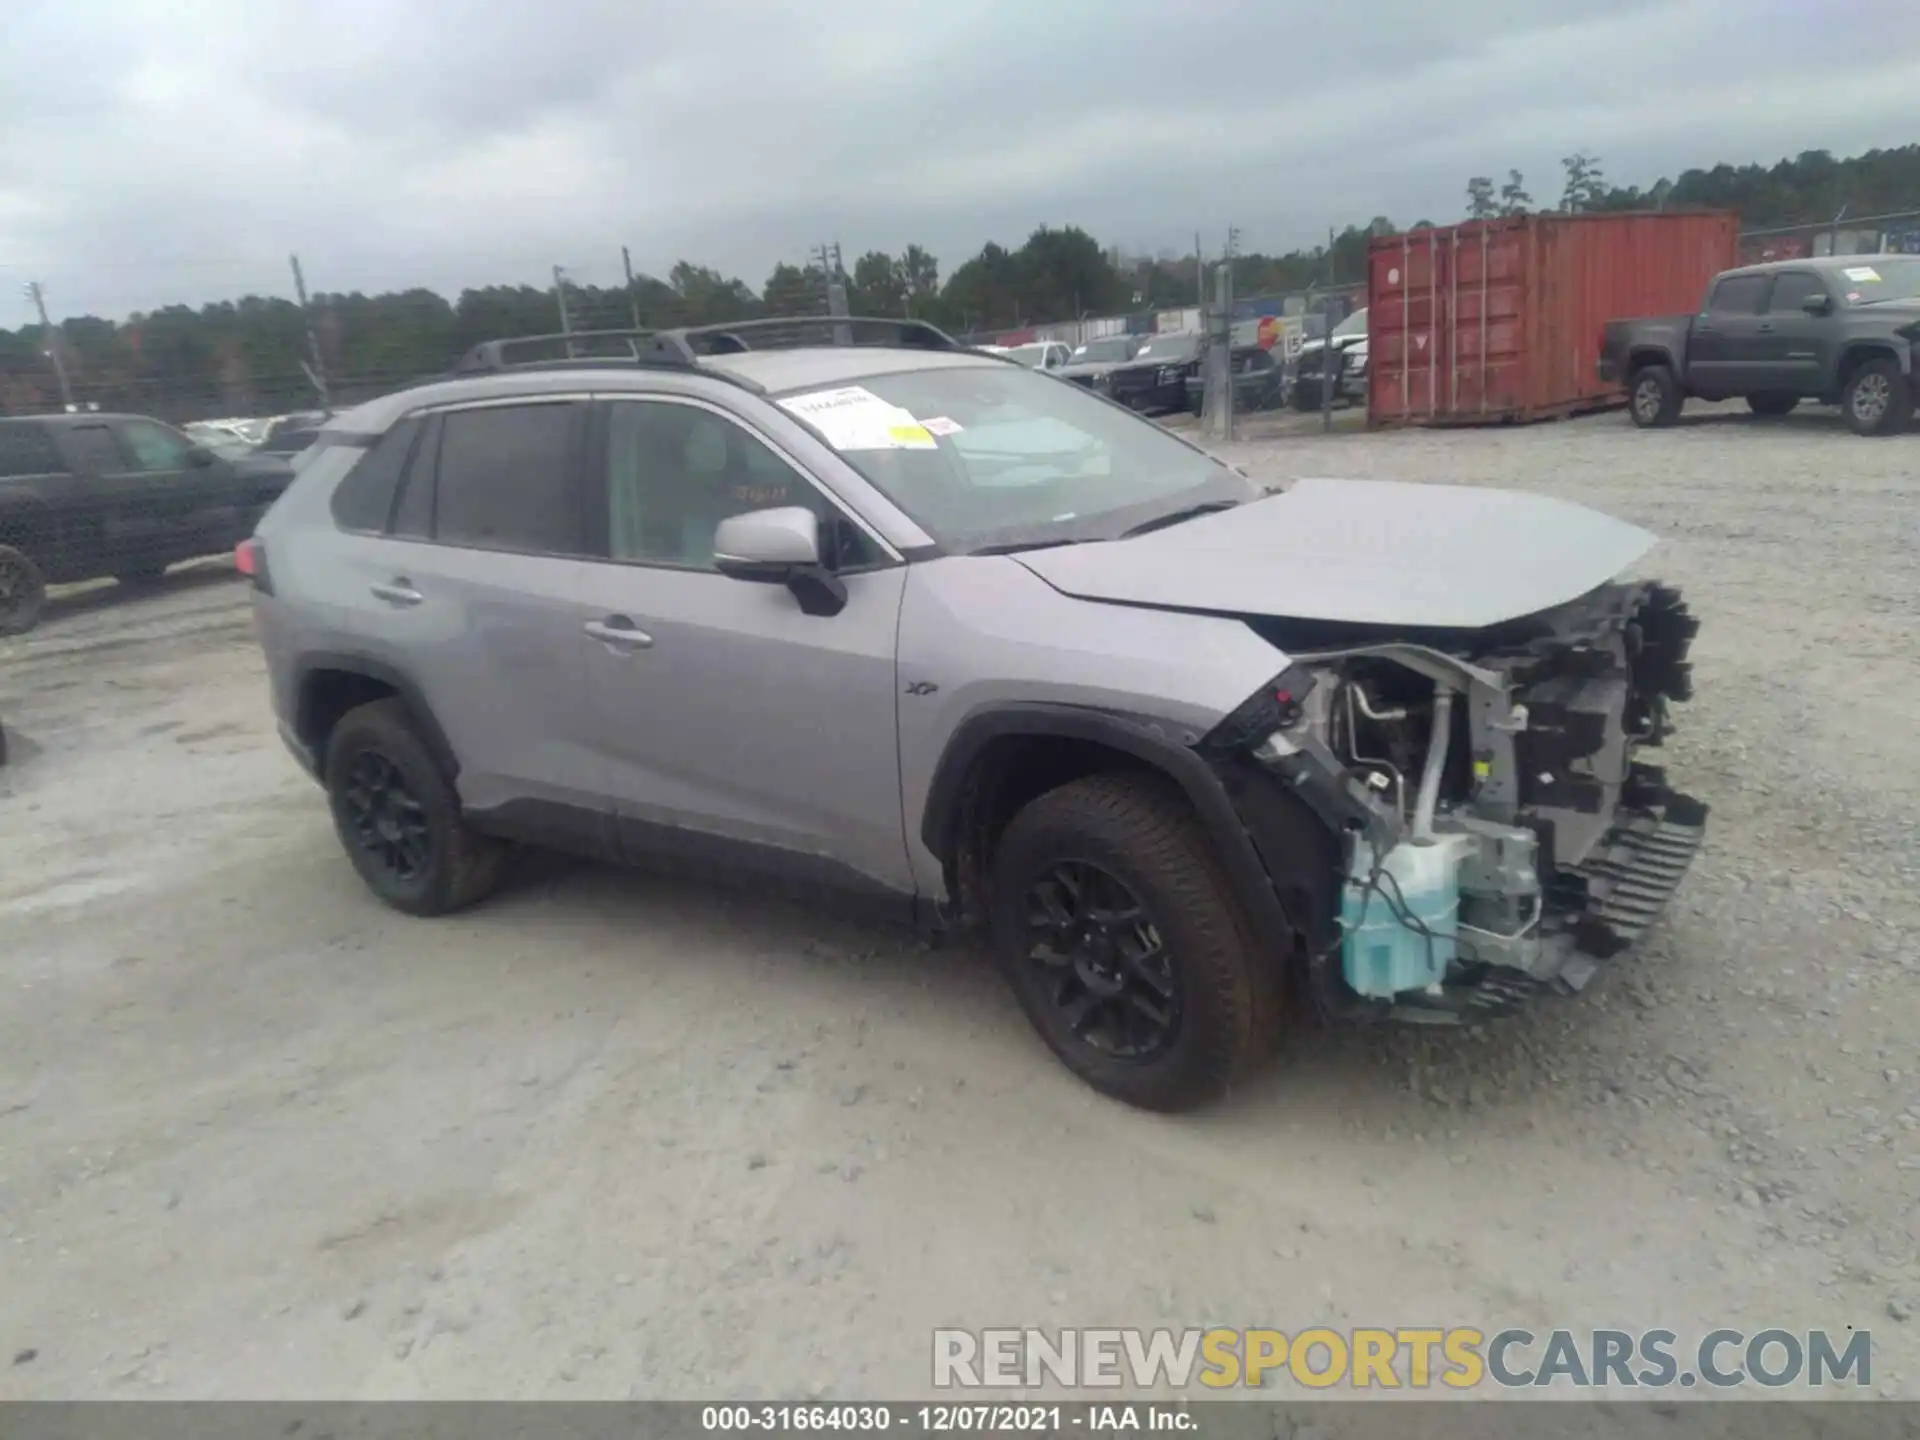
(1381, 552)
(1092, 367)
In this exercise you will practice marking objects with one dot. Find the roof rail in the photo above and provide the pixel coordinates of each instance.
(683, 349)
(793, 332)
(579, 347)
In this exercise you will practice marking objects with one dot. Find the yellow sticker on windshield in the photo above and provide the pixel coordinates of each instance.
(910, 437)
(1862, 274)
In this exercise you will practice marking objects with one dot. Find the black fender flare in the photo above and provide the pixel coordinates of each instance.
(410, 695)
(1854, 353)
(1149, 741)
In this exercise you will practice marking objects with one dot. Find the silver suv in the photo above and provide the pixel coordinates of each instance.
(854, 608)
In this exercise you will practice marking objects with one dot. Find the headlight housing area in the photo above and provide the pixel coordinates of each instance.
(1276, 705)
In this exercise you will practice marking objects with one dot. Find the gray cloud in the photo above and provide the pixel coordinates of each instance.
(178, 151)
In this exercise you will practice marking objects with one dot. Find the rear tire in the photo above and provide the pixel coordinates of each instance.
(1124, 944)
(23, 591)
(399, 819)
(1653, 396)
(1772, 406)
(1878, 399)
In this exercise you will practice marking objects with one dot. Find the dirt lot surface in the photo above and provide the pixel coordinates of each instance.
(610, 1135)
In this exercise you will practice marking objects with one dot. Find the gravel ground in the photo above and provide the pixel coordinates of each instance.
(611, 1135)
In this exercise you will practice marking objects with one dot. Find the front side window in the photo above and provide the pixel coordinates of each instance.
(155, 447)
(989, 456)
(505, 479)
(675, 471)
(1792, 289)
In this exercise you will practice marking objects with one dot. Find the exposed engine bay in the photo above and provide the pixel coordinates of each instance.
(1500, 833)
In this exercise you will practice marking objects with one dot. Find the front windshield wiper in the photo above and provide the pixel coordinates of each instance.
(1174, 517)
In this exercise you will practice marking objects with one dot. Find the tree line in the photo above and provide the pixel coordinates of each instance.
(246, 356)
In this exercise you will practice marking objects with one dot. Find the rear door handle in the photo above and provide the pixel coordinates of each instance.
(1766, 328)
(399, 591)
(619, 632)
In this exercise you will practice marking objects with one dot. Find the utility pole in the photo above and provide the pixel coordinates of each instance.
(560, 294)
(633, 296)
(1199, 273)
(39, 298)
(831, 267)
(317, 370)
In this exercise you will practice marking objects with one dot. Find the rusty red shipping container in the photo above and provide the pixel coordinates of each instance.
(1499, 320)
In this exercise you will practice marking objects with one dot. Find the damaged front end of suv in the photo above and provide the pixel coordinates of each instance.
(1491, 825)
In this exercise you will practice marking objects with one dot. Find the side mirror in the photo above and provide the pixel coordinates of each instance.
(199, 456)
(780, 547)
(1817, 304)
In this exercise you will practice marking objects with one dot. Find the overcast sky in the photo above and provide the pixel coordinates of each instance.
(177, 151)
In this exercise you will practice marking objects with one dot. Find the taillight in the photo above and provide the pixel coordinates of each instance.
(250, 559)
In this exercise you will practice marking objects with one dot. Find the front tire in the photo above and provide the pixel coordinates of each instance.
(1654, 397)
(399, 819)
(1877, 400)
(1772, 407)
(23, 591)
(1124, 945)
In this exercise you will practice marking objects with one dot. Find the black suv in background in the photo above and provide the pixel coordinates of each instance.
(1154, 381)
(1840, 331)
(87, 496)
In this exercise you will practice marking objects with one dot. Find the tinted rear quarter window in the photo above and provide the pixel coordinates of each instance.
(27, 449)
(1739, 295)
(506, 479)
(364, 499)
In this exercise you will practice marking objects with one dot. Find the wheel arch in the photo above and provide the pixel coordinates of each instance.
(328, 684)
(999, 758)
(1641, 356)
(1858, 352)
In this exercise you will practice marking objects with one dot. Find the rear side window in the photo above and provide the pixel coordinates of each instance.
(507, 481)
(1791, 290)
(1739, 295)
(364, 500)
(28, 450)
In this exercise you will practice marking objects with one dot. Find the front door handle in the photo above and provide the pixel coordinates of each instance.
(400, 591)
(619, 632)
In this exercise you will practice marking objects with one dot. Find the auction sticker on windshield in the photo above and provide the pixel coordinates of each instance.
(854, 418)
(1861, 274)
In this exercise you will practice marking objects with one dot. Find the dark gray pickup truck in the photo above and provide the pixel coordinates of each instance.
(86, 496)
(1840, 331)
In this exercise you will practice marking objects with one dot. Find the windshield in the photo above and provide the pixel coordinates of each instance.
(1030, 356)
(1100, 352)
(1169, 347)
(1354, 324)
(985, 455)
(1881, 278)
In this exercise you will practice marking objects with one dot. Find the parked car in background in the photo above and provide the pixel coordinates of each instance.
(1154, 381)
(1048, 355)
(1349, 364)
(1094, 358)
(1259, 381)
(87, 496)
(1839, 331)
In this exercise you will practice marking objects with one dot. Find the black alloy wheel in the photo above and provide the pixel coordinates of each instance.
(1101, 962)
(386, 821)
